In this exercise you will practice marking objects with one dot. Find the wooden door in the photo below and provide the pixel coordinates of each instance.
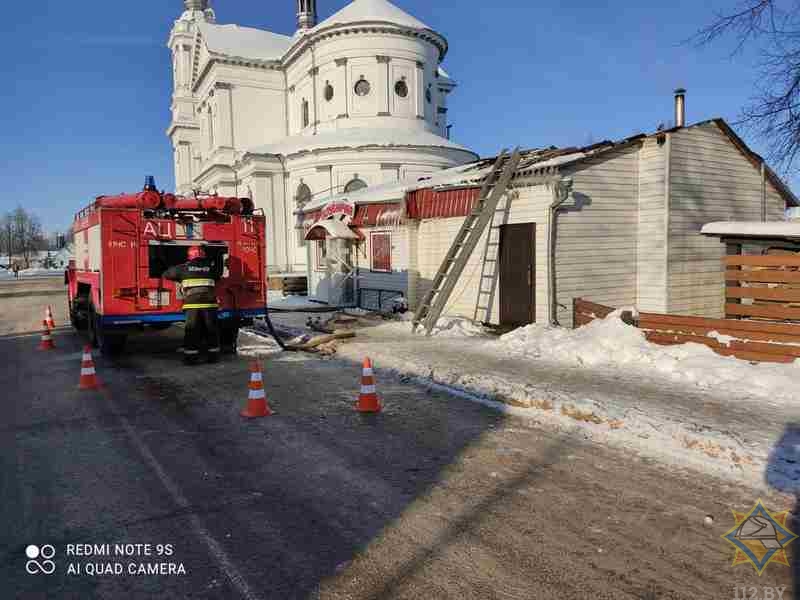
(517, 274)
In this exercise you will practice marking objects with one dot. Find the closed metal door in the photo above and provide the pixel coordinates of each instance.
(518, 274)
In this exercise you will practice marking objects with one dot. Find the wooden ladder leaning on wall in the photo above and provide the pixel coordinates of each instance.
(494, 186)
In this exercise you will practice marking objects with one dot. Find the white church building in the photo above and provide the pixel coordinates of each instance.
(354, 101)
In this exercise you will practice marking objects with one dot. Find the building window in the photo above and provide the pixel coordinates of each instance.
(401, 88)
(306, 117)
(428, 95)
(303, 195)
(210, 129)
(381, 243)
(354, 185)
(328, 91)
(362, 87)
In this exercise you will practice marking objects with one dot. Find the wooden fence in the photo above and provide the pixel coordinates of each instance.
(763, 287)
(757, 341)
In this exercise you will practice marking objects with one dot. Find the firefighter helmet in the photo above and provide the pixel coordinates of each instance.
(196, 252)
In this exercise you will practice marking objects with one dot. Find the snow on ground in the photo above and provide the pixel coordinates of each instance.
(31, 273)
(682, 404)
(611, 343)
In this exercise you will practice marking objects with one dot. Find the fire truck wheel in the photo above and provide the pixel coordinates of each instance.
(109, 344)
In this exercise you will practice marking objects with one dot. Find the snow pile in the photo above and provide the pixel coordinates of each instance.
(613, 344)
(446, 327)
(783, 469)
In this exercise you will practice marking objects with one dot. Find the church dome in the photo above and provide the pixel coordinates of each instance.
(360, 11)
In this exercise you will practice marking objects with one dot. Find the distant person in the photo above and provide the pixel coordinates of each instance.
(15, 268)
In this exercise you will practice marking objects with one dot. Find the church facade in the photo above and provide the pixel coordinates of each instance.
(355, 101)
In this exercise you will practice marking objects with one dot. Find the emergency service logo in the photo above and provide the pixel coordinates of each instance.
(760, 537)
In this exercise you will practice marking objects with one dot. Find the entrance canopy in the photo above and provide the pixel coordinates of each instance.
(331, 228)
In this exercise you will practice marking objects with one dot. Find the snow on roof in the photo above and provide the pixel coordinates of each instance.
(372, 10)
(395, 191)
(776, 229)
(357, 138)
(244, 42)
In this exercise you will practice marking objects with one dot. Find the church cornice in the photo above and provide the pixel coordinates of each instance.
(220, 59)
(369, 27)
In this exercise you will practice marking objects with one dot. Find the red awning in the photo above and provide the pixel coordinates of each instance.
(442, 204)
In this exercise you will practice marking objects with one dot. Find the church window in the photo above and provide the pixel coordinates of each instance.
(210, 129)
(303, 196)
(401, 88)
(362, 87)
(354, 185)
(328, 91)
(306, 117)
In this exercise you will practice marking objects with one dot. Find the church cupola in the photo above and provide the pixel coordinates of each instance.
(306, 14)
(195, 4)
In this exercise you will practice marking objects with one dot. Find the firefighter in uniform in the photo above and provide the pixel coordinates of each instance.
(198, 278)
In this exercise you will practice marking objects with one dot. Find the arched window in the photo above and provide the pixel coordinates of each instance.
(354, 185)
(303, 195)
(306, 117)
(328, 91)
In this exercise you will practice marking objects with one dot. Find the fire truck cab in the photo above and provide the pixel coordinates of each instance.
(124, 244)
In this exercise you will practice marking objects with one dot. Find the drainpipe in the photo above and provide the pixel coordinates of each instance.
(562, 190)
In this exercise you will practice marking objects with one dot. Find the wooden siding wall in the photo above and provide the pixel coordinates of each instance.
(596, 247)
(651, 247)
(528, 205)
(710, 180)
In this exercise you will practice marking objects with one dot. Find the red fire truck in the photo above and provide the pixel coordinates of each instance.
(123, 245)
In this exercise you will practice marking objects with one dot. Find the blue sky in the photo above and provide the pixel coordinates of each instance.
(88, 82)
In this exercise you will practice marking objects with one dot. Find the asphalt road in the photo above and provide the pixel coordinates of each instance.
(434, 498)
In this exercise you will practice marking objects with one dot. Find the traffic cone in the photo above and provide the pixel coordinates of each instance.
(49, 317)
(368, 401)
(47, 339)
(89, 380)
(257, 406)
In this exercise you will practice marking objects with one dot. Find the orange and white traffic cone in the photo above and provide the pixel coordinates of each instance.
(257, 406)
(48, 316)
(89, 380)
(368, 401)
(47, 339)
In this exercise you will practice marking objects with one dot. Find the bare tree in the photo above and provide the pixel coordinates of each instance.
(21, 235)
(772, 27)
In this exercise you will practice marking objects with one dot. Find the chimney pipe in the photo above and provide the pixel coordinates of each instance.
(680, 107)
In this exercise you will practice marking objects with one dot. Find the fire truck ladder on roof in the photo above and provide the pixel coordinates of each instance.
(494, 186)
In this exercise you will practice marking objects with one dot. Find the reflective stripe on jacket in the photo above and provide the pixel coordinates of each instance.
(190, 283)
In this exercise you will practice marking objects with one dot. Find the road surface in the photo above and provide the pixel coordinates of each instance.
(434, 498)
